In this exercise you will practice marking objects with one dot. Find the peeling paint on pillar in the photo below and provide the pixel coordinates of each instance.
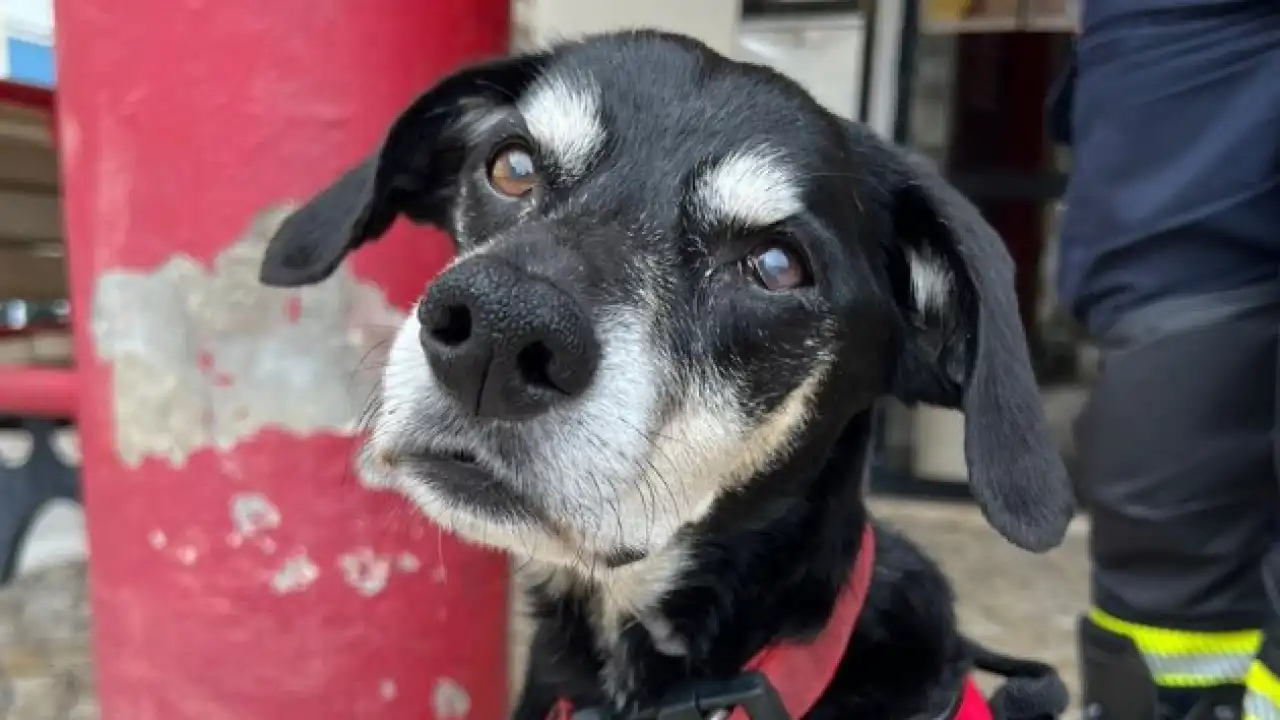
(252, 513)
(450, 700)
(206, 357)
(296, 575)
(205, 368)
(365, 571)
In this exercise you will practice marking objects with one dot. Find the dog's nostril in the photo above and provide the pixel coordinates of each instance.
(534, 364)
(452, 326)
(504, 343)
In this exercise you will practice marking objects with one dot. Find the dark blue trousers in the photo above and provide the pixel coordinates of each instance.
(1175, 183)
(1170, 257)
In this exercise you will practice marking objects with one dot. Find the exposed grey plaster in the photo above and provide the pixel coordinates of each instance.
(450, 700)
(205, 357)
(295, 575)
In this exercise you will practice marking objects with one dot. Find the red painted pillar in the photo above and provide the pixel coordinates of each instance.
(240, 568)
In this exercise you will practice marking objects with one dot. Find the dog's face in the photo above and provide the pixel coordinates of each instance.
(674, 272)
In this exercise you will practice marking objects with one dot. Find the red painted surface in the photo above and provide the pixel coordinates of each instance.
(38, 391)
(179, 122)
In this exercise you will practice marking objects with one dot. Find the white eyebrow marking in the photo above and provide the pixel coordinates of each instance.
(752, 187)
(563, 116)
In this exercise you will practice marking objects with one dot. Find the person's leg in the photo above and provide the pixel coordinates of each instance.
(1263, 677)
(1262, 701)
(1176, 454)
(1171, 252)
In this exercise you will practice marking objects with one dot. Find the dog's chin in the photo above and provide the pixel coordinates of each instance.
(458, 493)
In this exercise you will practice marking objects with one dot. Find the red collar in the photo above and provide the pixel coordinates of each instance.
(802, 672)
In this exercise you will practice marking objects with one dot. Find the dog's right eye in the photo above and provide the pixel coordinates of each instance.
(777, 267)
(513, 172)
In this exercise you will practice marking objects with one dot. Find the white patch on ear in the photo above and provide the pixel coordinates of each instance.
(931, 280)
(563, 116)
(750, 187)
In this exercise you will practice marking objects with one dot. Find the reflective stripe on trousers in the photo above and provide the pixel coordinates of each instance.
(1186, 659)
(1262, 693)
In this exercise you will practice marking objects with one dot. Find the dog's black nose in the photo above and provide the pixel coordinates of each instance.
(506, 344)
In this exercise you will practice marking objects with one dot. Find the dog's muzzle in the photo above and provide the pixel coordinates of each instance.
(506, 344)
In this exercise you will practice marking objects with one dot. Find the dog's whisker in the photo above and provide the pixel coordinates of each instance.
(654, 479)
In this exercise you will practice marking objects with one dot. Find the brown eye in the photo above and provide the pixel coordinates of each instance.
(777, 268)
(513, 172)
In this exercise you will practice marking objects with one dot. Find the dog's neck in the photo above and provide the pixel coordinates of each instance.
(616, 596)
(765, 565)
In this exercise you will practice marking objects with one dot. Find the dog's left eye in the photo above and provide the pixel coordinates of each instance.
(513, 172)
(777, 267)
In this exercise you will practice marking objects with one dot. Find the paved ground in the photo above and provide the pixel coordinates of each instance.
(1009, 599)
(45, 673)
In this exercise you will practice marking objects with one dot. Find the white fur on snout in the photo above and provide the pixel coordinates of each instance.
(752, 187)
(405, 379)
(605, 468)
(581, 461)
(563, 116)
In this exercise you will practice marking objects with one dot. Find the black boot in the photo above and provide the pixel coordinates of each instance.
(1118, 686)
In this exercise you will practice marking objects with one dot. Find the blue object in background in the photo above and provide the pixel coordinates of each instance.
(30, 63)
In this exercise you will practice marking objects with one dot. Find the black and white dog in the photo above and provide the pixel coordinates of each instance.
(680, 286)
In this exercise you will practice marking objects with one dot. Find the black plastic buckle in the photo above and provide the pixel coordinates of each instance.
(751, 692)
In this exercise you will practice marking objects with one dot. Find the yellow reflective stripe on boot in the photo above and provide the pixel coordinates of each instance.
(1262, 693)
(1182, 658)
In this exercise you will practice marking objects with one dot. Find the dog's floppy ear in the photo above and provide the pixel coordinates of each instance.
(411, 173)
(965, 348)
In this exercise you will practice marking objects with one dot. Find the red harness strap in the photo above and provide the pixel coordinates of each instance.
(801, 672)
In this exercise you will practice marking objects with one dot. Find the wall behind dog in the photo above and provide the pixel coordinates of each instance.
(539, 22)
